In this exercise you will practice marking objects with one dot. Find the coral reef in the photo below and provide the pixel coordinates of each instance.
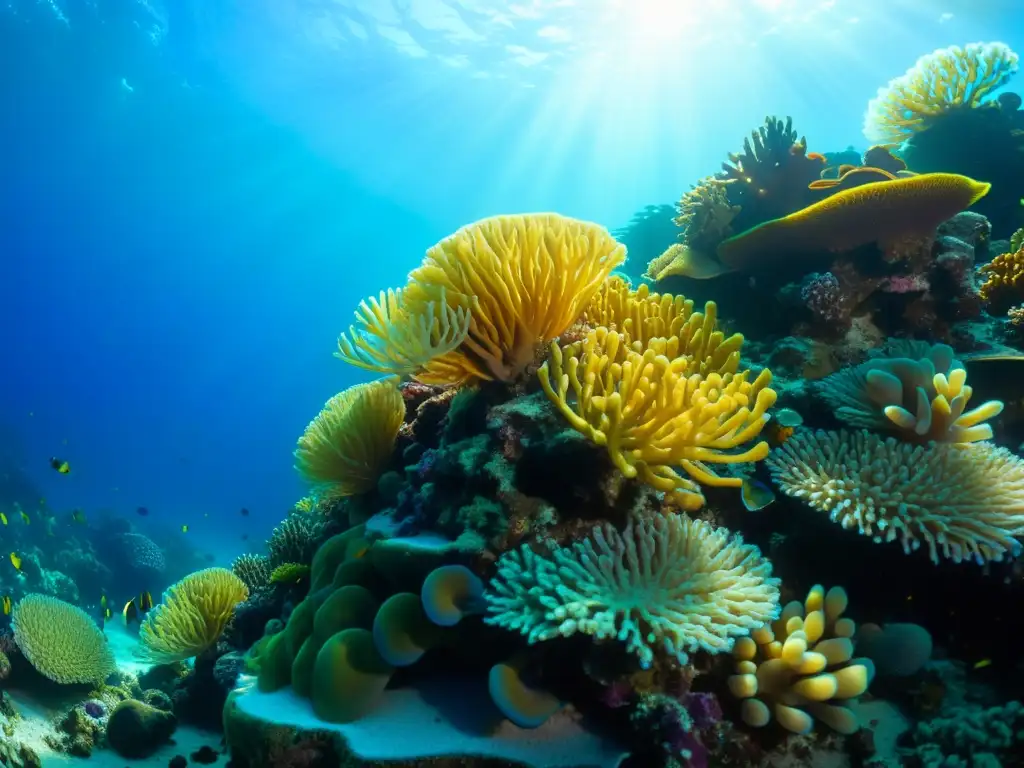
(61, 640)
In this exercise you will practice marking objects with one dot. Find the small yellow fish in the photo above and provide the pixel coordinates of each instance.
(3, 518)
(755, 495)
(60, 465)
(184, 529)
(24, 517)
(78, 516)
(983, 663)
(145, 602)
(15, 561)
(130, 612)
(7, 605)
(103, 601)
(107, 613)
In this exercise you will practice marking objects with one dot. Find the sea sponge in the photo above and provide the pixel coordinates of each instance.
(61, 640)
(942, 81)
(392, 340)
(349, 676)
(801, 668)
(402, 631)
(965, 502)
(451, 592)
(191, 617)
(641, 316)
(654, 412)
(666, 582)
(346, 447)
(524, 279)
(918, 390)
(136, 730)
(884, 212)
(1004, 280)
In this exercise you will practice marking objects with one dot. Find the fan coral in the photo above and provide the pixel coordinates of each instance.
(392, 340)
(524, 279)
(142, 553)
(61, 640)
(192, 616)
(665, 582)
(253, 570)
(1004, 280)
(965, 502)
(882, 212)
(346, 447)
(294, 540)
(654, 411)
(641, 316)
(939, 82)
(919, 391)
(799, 665)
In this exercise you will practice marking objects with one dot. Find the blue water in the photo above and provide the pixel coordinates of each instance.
(195, 195)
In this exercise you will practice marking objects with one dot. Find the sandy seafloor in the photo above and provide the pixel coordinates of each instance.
(34, 725)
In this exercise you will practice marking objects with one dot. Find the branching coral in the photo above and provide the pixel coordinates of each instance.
(920, 392)
(939, 82)
(61, 640)
(654, 411)
(801, 667)
(192, 616)
(963, 502)
(294, 540)
(641, 316)
(524, 280)
(705, 214)
(253, 570)
(345, 448)
(1004, 280)
(390, 339)
(665, 582)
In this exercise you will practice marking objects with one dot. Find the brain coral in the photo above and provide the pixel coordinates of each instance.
(665, 582)
(61, 640)
(963, 501)
(142, 553)
(191, 617)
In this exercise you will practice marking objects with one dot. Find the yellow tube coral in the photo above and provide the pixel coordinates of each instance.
(345, 448)
(939, 82)
(191, 617)
(653, 412)
(523, 279)
(390, 339)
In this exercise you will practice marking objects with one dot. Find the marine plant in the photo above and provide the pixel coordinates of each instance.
(960, 502)
(665, 583)
(191, 617)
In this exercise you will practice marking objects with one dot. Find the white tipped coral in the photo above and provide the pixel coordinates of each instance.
(919, 391)
(963, 502)
(941, 81)
(666, 582)
(801, 668)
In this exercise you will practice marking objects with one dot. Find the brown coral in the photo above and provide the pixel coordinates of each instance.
(1004, 281)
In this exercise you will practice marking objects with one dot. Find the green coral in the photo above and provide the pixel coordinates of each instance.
(61, 640)
(289, 574)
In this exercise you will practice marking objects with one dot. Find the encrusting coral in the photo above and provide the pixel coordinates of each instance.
(918, 390)
(192, 616)
(653, 410)
(667, 582)
(524, 279)
(801, 668)
(390, 339)
(1004, 280)
(965, 502)
(944, 80)
(345, 448)
(61, 640)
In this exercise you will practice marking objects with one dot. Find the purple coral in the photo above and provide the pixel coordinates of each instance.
(142, 553)
(905, 284)
(822, 294)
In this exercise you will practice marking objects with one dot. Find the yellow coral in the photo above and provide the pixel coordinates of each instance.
(288, 574)
(345, 448)
(192, 616)
(391, 339)
(524, 280)
(705, 214)
(801, 667)
(654, 412)
(939, 82)
(61, 640)
(1004, 279)
(641, 316)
